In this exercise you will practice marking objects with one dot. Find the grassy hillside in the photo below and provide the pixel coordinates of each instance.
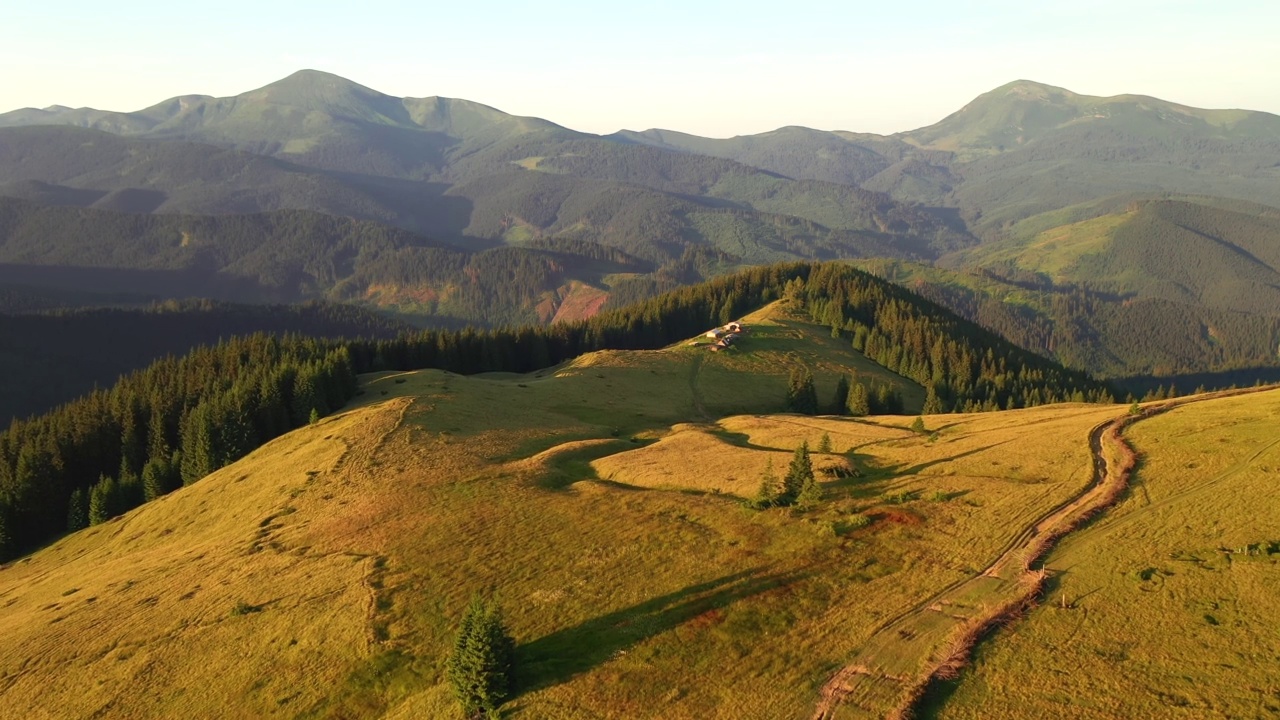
(1164, 607)
(323, 575)
(1184, 250)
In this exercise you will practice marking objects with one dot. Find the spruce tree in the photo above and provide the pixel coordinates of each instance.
(932, 403)
(481, 666)
(824, 445)
(77, 511)
(103, 501)
(857, 402)
(767, 495)
(802, 397)
(810, 494)
(6, 541)
(799, 472)
(840, 404)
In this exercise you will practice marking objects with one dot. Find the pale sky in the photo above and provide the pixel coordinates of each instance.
(710, 68)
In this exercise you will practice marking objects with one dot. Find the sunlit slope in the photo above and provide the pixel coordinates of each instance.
(253, 590)
(1202, 252)
(323, 576)
(1166, 607)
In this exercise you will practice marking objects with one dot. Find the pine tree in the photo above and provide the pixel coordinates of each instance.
(810, 494)
(767, 495)
(932, 403)
(481, 666)
(918, 426)
(824, 445)
(857, 402)
(840, 404)
(315, 417)
(77, 511)
(102, 501)
(799, 472)
(802, 397)
(159, 477)
(6, 541)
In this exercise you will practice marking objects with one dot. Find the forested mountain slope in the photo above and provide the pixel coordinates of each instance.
(51, 358)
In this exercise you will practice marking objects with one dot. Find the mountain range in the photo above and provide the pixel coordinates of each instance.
(490, 218)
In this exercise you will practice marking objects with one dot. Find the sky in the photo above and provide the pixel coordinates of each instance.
(710, 68)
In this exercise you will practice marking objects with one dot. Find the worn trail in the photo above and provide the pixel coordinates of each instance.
(932, 639)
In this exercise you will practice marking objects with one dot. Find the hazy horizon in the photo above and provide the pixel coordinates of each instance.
(699, 70)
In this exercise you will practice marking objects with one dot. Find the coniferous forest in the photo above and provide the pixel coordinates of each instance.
(182, 418)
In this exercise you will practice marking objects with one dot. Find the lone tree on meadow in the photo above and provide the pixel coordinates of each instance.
(799, 473)
(767, 495)
(802, 397)
(481, 667)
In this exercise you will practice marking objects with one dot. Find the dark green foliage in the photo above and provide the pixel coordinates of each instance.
(824, 445)
(6, 541)
(104, 500)
(206, 405)
(840, 400)
(802, 397)
(160, 476)
(481, 666)
(769, 492)
(932, 403)
(77, 511)
(45, 363)
(810, 494)
(857, 403)
(799, 473)
(968, 368)
(885, 400)
(918, 426)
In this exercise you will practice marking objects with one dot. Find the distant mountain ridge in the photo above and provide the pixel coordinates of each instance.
(964, 191)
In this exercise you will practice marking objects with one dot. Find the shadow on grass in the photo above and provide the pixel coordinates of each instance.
(558, 657)
(571, 466)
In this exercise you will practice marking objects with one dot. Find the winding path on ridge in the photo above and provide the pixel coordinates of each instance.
(932, 638)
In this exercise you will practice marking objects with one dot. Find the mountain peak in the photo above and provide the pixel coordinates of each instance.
(305, 86)
(1029, 89)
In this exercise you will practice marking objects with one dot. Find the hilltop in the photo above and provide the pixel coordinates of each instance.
(328, 558)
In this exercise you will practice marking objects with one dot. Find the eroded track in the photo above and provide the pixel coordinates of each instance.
(933, 638)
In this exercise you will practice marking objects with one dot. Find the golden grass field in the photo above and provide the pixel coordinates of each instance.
(323, 575)
(1158, 609)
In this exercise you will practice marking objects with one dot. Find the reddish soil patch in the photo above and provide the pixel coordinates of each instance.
(580, 302)
(901, 517)
(707, 619)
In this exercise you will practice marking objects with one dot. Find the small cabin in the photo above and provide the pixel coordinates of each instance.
(733, 327)
(715, 334)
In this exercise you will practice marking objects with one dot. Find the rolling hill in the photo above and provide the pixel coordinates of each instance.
(367, 500)
(322, 575)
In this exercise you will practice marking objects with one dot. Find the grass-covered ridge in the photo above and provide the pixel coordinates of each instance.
(210, 408)
(338, 545)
